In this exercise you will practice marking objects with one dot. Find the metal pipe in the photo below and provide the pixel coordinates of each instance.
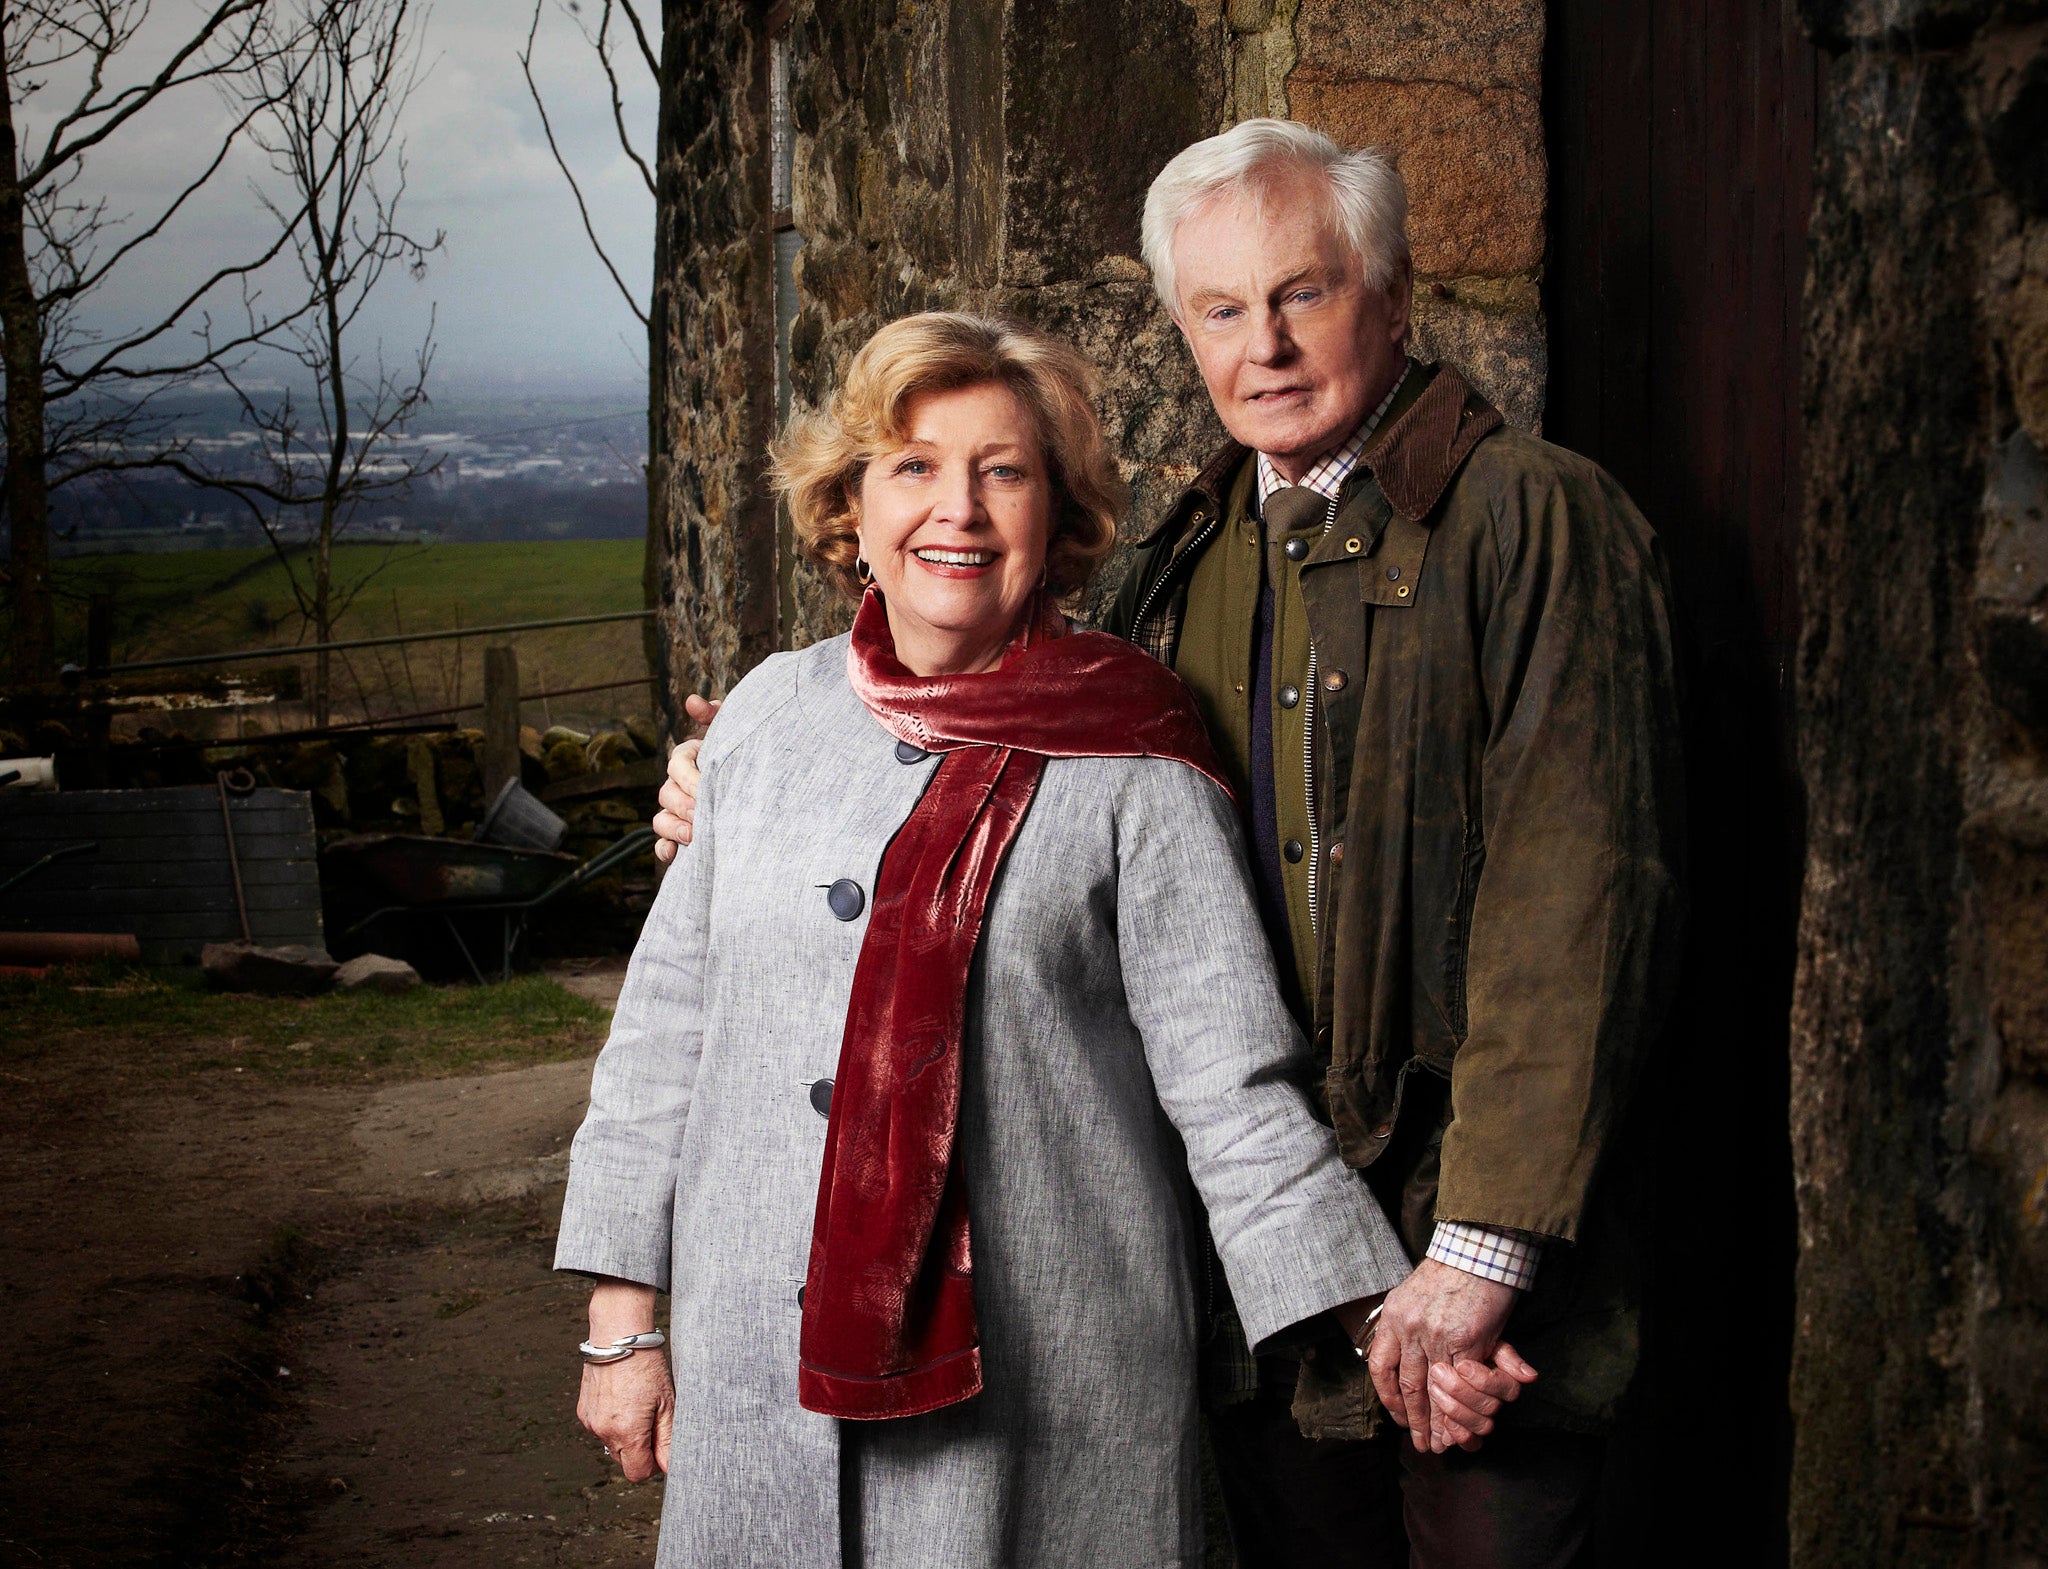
(183, 660)
(55, 855)
(227, 827)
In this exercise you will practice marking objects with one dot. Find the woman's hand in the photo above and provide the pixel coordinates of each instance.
(629, 1405)
(677, 819)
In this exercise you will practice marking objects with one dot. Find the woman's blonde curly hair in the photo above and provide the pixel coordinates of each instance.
(818, 462)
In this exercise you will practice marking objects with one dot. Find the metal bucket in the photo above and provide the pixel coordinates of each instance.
(518, 818)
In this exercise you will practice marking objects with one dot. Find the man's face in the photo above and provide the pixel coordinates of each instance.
(1293, 345)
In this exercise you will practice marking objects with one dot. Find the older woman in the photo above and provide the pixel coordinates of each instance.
(958, 983)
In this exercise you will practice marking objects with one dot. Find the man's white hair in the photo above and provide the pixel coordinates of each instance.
(1368, 201)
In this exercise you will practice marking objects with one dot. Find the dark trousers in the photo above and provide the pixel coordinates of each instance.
(1524, 1501)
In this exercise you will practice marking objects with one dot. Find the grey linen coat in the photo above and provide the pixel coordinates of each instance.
(1122, 1005)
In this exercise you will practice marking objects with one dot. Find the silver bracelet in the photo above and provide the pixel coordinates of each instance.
(619, 1350)
(1372, 1326)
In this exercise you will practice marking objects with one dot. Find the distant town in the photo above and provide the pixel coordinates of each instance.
(539, 467)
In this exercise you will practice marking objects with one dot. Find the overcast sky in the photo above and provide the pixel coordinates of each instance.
(524, 308)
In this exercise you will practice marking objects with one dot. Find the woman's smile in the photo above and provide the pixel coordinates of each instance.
(954, 525)
(955, 563)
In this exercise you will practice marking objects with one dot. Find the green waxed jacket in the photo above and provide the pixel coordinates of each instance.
(1500, 807)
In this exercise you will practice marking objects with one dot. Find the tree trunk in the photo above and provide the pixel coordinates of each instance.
(323, 620)
(21, 352)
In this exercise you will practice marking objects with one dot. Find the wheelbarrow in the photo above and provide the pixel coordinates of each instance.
(450, 878)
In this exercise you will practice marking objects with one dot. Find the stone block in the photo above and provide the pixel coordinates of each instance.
(2016, 129)
(292, 970)
(1506, 357)
(2026, 354)
(2011, 588)
(373, 972)
(1473, 159)
(1472, 43)
(2008, 852)
(1838, 24)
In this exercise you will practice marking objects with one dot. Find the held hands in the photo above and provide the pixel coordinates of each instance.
(677, 818)
(1437, 1358)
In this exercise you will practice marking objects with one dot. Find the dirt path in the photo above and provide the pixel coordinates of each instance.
(437, 1361)
(250, 1323)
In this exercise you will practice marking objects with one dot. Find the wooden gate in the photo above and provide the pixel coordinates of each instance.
(1681, 139)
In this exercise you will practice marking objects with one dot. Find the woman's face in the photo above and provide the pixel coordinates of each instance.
(954, 524)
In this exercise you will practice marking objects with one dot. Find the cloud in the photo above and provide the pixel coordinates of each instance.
(518, 299)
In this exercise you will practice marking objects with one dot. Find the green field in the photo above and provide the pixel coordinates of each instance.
(217, 600)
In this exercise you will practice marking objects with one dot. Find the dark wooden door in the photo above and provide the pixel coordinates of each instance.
(1681, 139)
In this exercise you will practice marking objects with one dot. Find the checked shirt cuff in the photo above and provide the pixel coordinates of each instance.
(1509, 1257)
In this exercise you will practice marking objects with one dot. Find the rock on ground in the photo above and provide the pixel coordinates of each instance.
(375, 972)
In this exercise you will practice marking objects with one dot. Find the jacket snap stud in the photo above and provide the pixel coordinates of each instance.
(1393, 574)
(1288, 696)
(1296, 549)
(1292, 849)
(1334, 681)
(1353, 546)
(845, 899)
(910, 752)
(1383, 1130)
(1336, 854)
(1401, 592)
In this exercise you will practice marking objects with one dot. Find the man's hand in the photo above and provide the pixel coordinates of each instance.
(1437, 1358)
(678, 815)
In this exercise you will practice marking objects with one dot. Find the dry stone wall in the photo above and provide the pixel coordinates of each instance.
(993, 156)
(1920, 1027)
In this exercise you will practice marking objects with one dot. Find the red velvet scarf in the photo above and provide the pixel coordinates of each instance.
(888, 1318)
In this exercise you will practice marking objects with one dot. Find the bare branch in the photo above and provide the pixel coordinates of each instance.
(611, 76)
(124, 105)
(647, 53)
(576, 190)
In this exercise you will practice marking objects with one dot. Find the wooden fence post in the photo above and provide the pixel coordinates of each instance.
(99, 717)
(501, 719)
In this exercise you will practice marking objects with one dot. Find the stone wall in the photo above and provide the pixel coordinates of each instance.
(1920, 1028)
(1455, 91)
(974, 154)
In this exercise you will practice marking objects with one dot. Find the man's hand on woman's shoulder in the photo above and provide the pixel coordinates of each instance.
(677, 819)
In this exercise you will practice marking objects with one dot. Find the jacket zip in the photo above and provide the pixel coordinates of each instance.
(1185, 553)
(1308, 759)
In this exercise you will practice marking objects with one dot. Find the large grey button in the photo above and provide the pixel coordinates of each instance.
(846, 899)
(906, 752)
(1289, 696)
(1296, 549)
(1292, 849)
(799, 1296)
(821, 1097)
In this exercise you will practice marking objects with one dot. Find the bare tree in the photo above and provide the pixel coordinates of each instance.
(603, 39)
(328, 108)
(77, 398)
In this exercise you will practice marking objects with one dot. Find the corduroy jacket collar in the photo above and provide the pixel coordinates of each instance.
(1414, 461)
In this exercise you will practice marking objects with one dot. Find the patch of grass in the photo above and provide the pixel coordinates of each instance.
(205, 601)
(171, 1023)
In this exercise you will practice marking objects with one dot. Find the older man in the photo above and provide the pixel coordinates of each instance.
(1437, 656)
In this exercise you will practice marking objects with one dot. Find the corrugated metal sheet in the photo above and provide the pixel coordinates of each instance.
(161, 870)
